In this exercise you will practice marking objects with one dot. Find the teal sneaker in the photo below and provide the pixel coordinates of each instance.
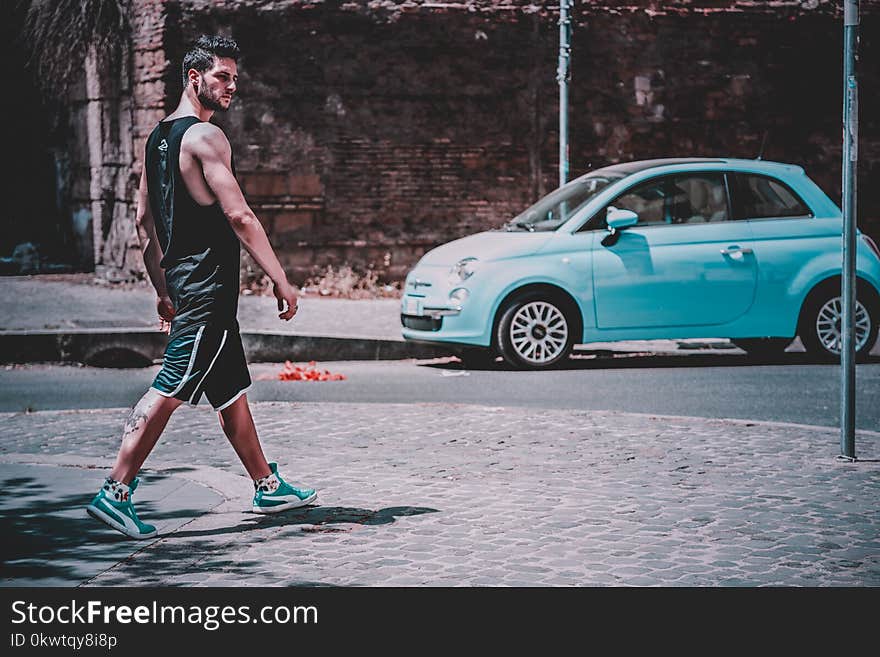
(113, 506)
(283, 498)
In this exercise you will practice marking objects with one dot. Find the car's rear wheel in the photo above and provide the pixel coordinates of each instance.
(763, 348)
(535, 331)
(822, 320)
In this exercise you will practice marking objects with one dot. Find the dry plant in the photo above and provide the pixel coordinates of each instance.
(348, 283)
(342, 282)
(253, 279)
(59, 34)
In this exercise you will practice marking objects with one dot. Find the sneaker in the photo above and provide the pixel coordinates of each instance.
(282, 498)
(113, 506)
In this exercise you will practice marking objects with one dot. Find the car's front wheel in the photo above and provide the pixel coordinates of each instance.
(535, 332)
(822, 320)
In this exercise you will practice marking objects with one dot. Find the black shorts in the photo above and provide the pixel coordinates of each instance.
(206, 359)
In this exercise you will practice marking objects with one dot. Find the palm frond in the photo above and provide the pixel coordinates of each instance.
(59, 33)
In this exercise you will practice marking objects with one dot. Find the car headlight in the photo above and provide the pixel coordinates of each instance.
(462, 270)
(458, 296)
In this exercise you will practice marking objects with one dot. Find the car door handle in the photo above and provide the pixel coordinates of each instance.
(735, 252)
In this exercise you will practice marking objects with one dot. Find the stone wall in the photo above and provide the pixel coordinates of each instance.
(368, 132)
(110, 110)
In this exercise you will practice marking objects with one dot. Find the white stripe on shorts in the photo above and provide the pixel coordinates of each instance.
(208, 371)
(192, 360)
(234, 398)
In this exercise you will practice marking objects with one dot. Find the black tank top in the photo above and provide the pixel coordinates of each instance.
(201, 250)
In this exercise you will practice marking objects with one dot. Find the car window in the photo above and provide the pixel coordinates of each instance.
(550, 212)
(759, 197)
(698, 198)
(647, 200)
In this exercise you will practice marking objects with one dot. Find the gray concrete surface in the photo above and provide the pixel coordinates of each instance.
(47, 303)
(45, 539)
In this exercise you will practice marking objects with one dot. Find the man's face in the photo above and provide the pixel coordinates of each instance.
(215, 87)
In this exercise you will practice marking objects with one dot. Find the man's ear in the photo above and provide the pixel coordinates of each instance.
(194, 78)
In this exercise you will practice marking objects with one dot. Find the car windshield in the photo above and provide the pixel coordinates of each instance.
(558, 207)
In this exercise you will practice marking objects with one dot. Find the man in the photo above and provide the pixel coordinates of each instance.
(191, 217)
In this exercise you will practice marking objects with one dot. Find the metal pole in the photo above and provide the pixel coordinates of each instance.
(848, 194)
(563, 75)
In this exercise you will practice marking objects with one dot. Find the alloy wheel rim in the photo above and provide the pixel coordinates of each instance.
(830, 319)
(539, 332)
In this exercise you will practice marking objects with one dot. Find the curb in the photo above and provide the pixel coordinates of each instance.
(141, 347)
(136, 347)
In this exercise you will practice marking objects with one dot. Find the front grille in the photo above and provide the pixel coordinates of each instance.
(421, 323)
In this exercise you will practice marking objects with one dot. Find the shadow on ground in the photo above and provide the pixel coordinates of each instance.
(188, 556)
(49, 536)
(314, 519)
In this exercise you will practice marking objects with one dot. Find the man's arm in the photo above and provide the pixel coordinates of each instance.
(213, 151)
(149, 240)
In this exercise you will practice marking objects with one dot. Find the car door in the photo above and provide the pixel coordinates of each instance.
(785, 232)
(685, 263)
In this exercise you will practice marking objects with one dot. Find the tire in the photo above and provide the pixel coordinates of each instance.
(763, 348)
(821, 316)
(478, 358)
(535, 331)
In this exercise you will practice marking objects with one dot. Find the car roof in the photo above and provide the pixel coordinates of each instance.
(628, 168)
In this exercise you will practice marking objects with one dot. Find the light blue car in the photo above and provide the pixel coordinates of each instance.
(671, 248)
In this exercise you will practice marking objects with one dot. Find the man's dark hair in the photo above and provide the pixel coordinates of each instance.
(201, 55)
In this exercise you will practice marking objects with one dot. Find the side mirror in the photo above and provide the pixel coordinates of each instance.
(620, 219)
(617, 220)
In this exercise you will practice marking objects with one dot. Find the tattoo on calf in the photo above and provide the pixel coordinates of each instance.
(133, 423)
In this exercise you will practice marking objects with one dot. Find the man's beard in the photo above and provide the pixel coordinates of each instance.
(210, 102)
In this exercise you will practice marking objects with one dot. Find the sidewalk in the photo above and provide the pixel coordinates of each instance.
(46, 542)
(46, 318)
(449, 495)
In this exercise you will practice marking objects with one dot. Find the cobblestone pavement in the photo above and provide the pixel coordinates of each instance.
(458, 495)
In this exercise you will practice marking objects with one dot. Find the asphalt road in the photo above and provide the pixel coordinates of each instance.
(711, 386)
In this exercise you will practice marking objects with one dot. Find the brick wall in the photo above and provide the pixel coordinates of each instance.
(369, 132)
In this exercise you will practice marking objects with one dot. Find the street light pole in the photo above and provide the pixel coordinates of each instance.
(848, 194)
(563, 75)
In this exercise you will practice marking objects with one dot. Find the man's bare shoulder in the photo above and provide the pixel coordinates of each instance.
(203, 138)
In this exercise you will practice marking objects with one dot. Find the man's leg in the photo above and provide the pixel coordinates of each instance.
(272, 494)
(142, 430)
(112, 505)
(238, 425)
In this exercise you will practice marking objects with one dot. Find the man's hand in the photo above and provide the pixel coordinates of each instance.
(166, 313)
(285, 294)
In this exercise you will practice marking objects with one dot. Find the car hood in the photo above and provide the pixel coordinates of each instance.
(490, 245)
